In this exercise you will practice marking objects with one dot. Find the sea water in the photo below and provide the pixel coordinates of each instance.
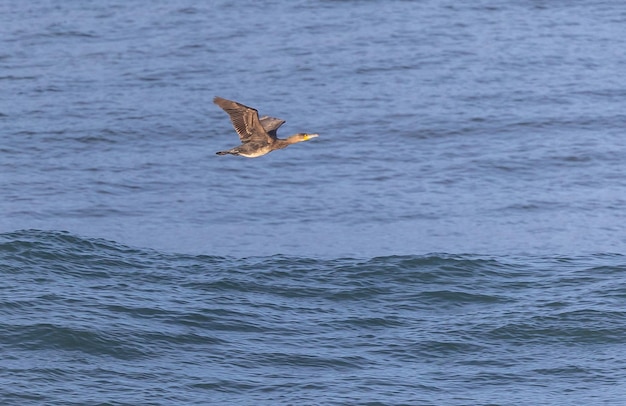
(454, 236)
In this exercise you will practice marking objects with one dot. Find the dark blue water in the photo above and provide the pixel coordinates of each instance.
(454, 236)
(88, 321)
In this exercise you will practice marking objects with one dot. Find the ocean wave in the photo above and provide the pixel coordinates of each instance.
(277, 322)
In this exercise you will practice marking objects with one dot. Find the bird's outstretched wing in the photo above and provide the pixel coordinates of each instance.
(245, 120)
(271, 124)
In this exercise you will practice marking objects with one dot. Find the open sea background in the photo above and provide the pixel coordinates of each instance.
(455, 236)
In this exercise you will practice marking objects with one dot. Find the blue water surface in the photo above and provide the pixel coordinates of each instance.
(454, 236)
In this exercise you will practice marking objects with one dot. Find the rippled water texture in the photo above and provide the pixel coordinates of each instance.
(487, 127)
(455, 236)
(96, 322)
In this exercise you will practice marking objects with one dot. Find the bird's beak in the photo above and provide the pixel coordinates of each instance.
(309, 136)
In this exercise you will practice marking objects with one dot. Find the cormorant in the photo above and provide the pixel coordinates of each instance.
(258, 136)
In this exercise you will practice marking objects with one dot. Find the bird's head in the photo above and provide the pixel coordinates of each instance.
(300, 137)
(304, 136)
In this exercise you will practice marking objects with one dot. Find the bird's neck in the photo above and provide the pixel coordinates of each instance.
(293, 139)
(282, 143)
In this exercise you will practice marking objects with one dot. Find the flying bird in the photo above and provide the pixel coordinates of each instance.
(257, 135)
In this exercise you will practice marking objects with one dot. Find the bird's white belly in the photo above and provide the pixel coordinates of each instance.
(257, 153)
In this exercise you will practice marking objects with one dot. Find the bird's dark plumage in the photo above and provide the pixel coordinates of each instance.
(258, 136)
(271, 124)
